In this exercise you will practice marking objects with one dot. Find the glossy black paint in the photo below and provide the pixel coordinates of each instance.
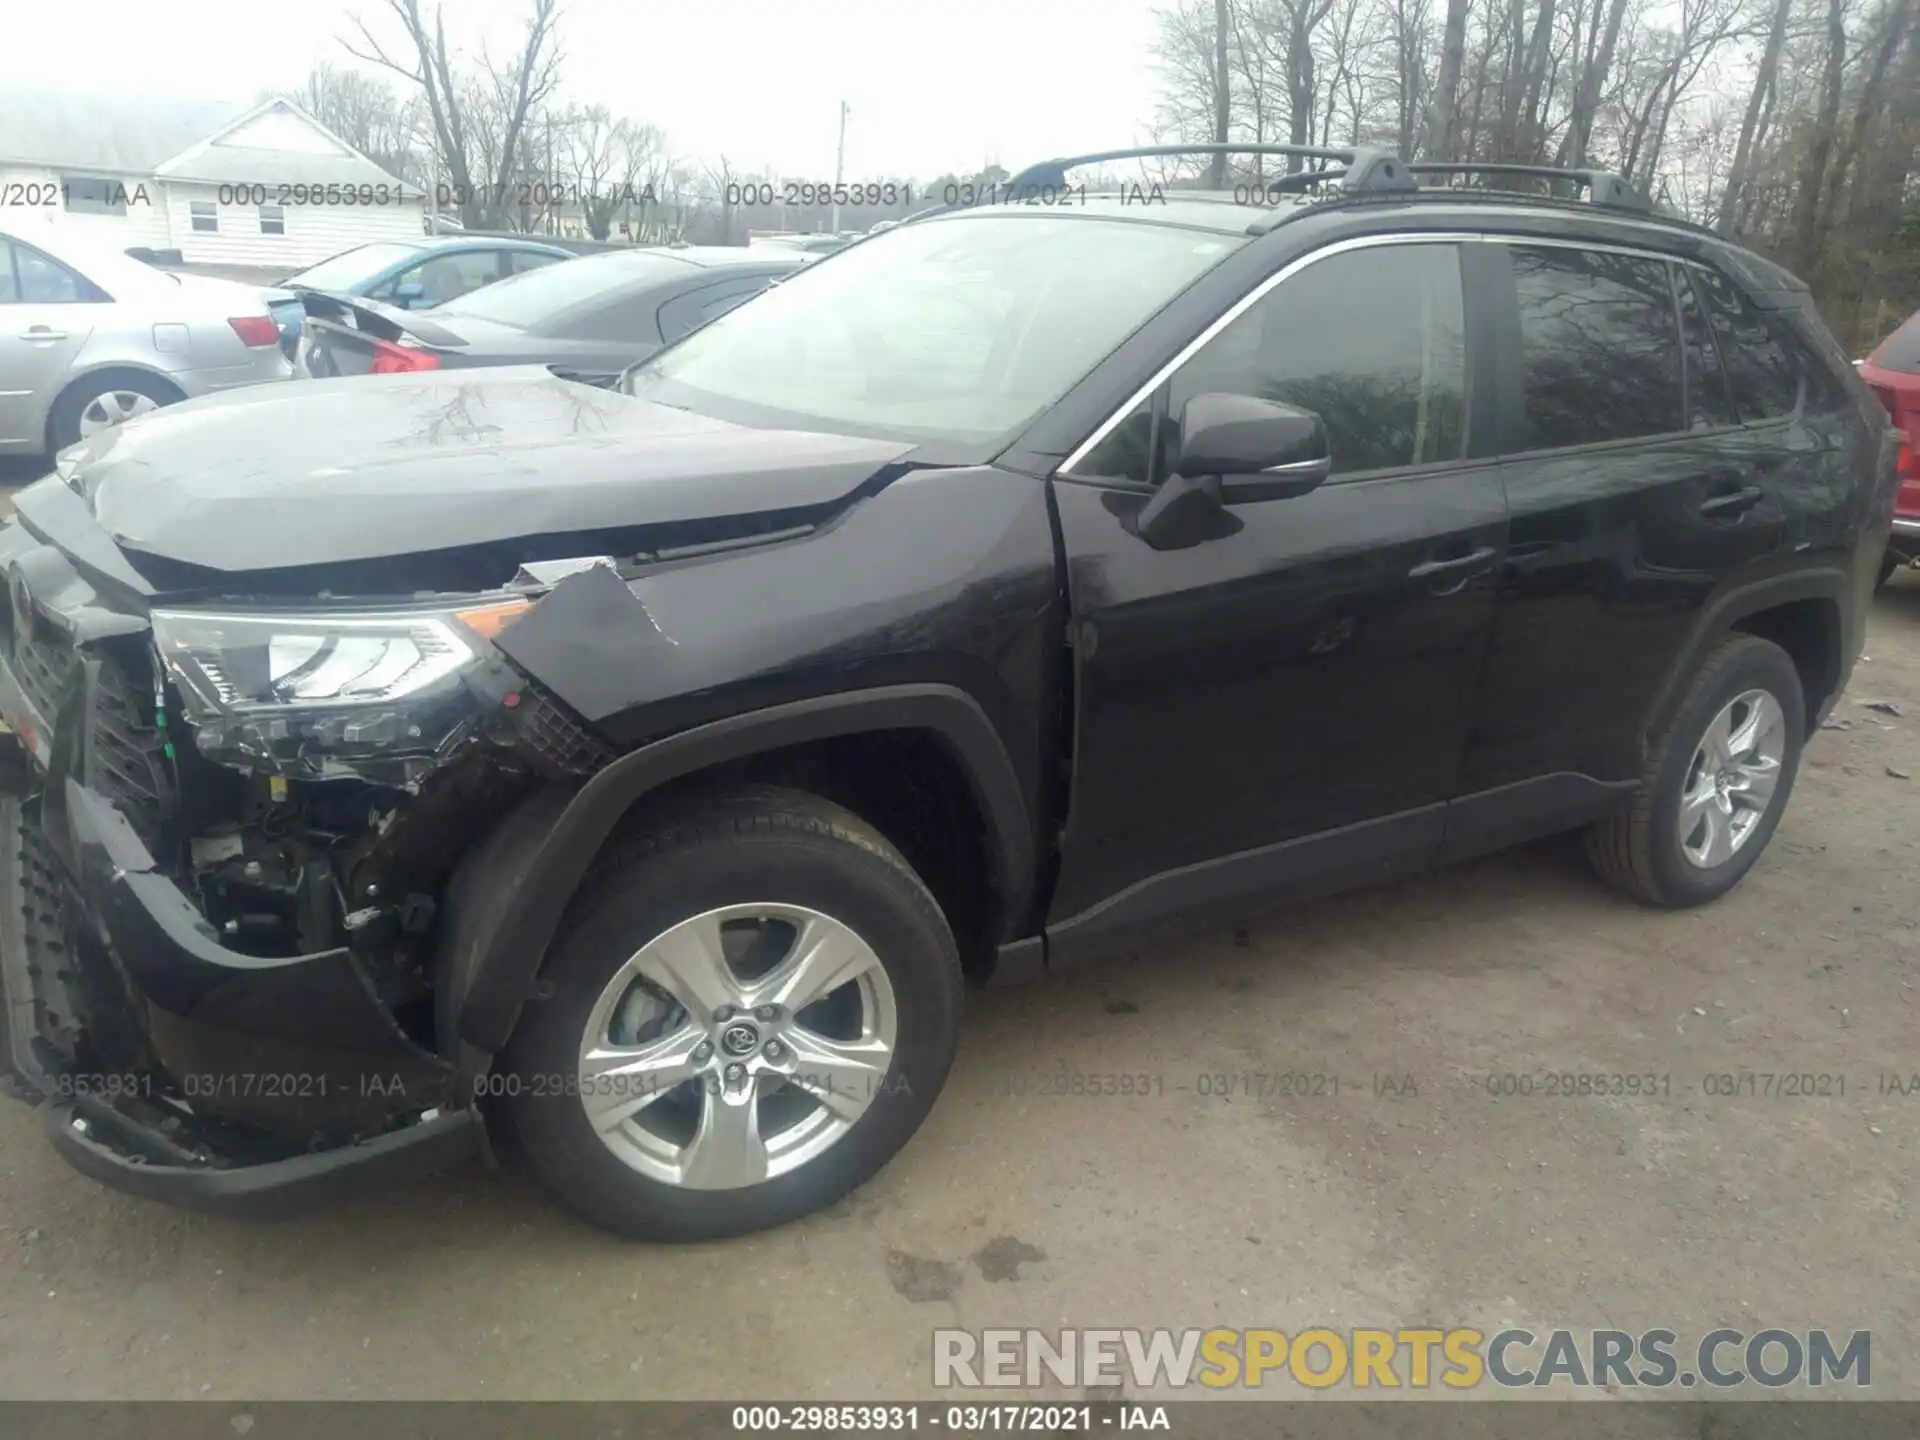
(434, 462)
(1288, 694)
(1261, 686)
(536, 886)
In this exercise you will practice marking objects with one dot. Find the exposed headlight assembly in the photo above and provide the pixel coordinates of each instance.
(309, 693)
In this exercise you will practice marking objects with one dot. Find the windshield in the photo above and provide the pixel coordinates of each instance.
(353, 268)
(528, 299)
(959, 329)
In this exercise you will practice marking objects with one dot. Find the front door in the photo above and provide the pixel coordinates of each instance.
(1284, 702)
(45, 318)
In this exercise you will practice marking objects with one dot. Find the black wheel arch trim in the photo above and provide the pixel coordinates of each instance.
(503, 963)
(1721, 615)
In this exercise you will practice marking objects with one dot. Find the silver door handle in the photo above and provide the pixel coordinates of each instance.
(41, 332)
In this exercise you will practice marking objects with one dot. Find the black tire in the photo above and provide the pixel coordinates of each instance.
(63, 420)
(1638, 852)
(754, 845)
(1889, 563)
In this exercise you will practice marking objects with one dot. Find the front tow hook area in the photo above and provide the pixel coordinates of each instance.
(117, 1152)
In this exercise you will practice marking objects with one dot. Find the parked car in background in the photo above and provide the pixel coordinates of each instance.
(91, 337)
(597, 314)
(807, 244)
(418, 275)
(1893, 370)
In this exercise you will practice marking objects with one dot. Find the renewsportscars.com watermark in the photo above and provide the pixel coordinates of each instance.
(1414, 1359)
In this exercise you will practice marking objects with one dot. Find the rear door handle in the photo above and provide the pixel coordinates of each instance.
(41, 332)
(1474, 560)
(1731, 503)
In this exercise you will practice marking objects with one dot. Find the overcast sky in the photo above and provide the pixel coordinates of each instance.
(934, 85)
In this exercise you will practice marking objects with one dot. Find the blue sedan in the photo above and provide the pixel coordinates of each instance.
(416, 274)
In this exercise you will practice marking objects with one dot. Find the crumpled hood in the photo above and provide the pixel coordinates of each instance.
(320, 471)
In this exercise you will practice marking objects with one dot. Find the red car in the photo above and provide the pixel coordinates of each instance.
(1894, 373)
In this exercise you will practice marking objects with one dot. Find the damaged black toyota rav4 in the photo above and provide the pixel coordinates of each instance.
(640, 771)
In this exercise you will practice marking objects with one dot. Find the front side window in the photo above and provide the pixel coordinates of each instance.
(957, 329)
(204, 216)
(351, 269)
(1372, 340)
(1600, 347)
(445, 277)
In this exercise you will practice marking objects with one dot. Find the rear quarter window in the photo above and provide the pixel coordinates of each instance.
(1767, 363)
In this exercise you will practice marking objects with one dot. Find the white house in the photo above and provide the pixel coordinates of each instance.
(264, 185)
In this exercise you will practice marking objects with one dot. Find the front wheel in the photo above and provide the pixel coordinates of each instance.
(1715, 783)
(749, 1010)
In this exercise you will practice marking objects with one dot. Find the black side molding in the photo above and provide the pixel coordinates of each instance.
(509, 957)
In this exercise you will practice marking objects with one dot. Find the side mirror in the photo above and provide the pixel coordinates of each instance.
(1234, 449)
(407, 294)
(1256, 449)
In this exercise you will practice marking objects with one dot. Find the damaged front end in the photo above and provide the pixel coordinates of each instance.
(224, 832)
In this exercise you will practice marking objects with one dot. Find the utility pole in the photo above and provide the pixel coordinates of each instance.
(839, 167)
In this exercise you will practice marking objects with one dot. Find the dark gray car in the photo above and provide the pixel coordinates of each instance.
(597, 314)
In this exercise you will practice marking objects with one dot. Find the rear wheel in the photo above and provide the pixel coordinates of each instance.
(1889, 563)
(103, 401)
(1715, 783)
(749, 1010)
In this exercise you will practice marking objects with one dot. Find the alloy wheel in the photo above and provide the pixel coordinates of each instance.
(1732, 779)
(737, 1046)
(115, 407)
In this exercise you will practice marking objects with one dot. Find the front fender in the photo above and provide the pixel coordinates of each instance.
(510, 895)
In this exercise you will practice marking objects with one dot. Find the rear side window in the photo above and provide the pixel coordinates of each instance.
(1600, 347)
(1766, 378)
(1709, 402)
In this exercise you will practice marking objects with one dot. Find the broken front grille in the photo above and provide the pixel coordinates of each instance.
(44, 663)
(125, 751)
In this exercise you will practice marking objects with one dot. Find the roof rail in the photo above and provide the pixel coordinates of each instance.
(1602, 187)
(1365, 170)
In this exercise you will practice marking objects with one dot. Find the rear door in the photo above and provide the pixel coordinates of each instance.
(1635, 491)
(1282, 703)
(47, 311)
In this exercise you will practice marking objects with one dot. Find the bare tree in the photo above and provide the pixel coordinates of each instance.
(478, 113)
(609, 165)
(1758, 99)
(1222, 94)
(1443, 122)
(1806, 209)
(365, 112)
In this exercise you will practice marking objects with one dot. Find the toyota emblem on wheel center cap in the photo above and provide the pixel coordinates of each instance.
(739, 1039)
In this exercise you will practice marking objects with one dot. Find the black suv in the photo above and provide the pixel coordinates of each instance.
(641, 770)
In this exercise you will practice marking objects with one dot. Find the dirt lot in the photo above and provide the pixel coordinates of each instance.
(1182, 1208)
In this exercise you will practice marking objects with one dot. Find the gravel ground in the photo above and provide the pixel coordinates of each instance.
(1424, 1201)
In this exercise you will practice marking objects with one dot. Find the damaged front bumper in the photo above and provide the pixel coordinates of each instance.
(168, 1064)
(265, 1086)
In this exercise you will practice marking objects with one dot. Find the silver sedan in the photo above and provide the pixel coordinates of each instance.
(90, 338)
